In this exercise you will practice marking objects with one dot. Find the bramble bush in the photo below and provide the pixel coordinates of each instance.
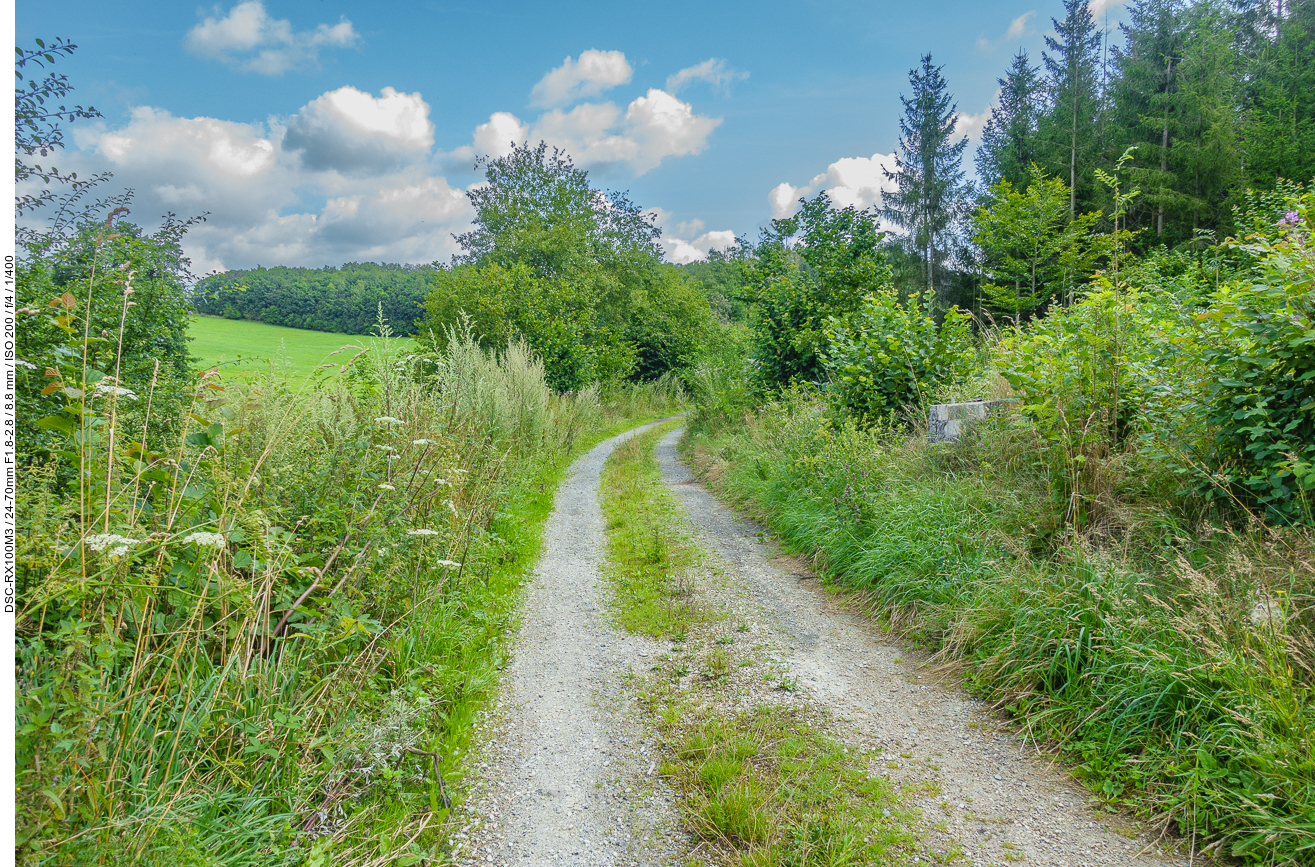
(1262, 403)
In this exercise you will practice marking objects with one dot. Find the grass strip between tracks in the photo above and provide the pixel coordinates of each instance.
(760, 776)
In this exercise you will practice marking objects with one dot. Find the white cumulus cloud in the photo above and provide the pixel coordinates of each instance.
(595, 72)
(1100, 7)
(354, 176)
(679, 251)
(713, 70)
(357, 133)
(600, 135)
(266, 205)
(968, 124)
(1017, 29)
(663, 126)
(850, 181)
(496, 137)
(249, 38)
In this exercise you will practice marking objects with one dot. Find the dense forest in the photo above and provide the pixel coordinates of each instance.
(347, 300)
(1207, 100)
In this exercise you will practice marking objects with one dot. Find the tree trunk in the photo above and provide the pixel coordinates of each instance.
(1164, 146)
(1073, 147)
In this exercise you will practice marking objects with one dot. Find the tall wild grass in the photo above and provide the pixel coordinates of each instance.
(256, 631)
(1168, 652)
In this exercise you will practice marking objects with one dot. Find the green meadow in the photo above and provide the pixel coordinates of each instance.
(234, 344)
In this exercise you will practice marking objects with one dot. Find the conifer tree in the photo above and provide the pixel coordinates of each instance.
(1008, 145)
(1068, 132)
(1146, 99)
(1280, 112)
(1205, 156)
(931, 193)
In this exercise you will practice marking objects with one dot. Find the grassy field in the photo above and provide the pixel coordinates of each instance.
(252, 346)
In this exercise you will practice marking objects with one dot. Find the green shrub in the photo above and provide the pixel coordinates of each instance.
(1262, 402)
(559, 319)
(809, 268)
(890, 354)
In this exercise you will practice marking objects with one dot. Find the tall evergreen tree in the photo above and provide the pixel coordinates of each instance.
(931, 193)
(1068, 131)
(1008, 145)
(1280, 111)
(1146, 101)
(1205, 156)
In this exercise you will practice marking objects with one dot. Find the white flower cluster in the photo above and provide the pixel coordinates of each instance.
(424, 442)
(451, 564)
(117, 544)
(388, 419)
(422, 531)
(116, 391)
(21, 363)
(206, 540)
(387, 487)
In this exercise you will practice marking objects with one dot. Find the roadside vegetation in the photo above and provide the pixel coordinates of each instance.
(1121, 555)
(761, 778)
(257, 615)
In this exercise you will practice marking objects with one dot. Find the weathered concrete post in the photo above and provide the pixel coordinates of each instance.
(947, 421)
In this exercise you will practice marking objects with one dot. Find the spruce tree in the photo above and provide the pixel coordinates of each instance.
(931, 193)
(1280, 112)
(1008, 146)
(1068, 132)
(1205, 156)
(1146, 101)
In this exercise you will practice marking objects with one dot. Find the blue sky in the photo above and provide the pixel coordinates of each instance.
(323, 131)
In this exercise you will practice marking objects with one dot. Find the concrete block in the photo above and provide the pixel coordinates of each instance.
(947, 421)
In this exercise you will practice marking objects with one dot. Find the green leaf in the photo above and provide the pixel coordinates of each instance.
(61, 423)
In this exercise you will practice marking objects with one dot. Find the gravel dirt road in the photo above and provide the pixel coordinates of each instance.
(568, 771)
(998, 798)
(568, 776)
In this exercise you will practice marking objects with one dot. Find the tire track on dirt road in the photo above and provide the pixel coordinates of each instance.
(568, 773)
(997, 798)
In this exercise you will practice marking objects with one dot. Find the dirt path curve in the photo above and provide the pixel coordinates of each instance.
(999, 799)
(569, 774)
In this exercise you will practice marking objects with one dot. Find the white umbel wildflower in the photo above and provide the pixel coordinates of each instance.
(21, 363)
(115, 391)
(424, 442)
(440, 482)
(206, 540)
(387, 487)
(422, 531)
(388, 419)
(117, 545)
(451, 564)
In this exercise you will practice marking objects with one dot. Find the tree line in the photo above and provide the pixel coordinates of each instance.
(1209, 99)
(347, 300)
